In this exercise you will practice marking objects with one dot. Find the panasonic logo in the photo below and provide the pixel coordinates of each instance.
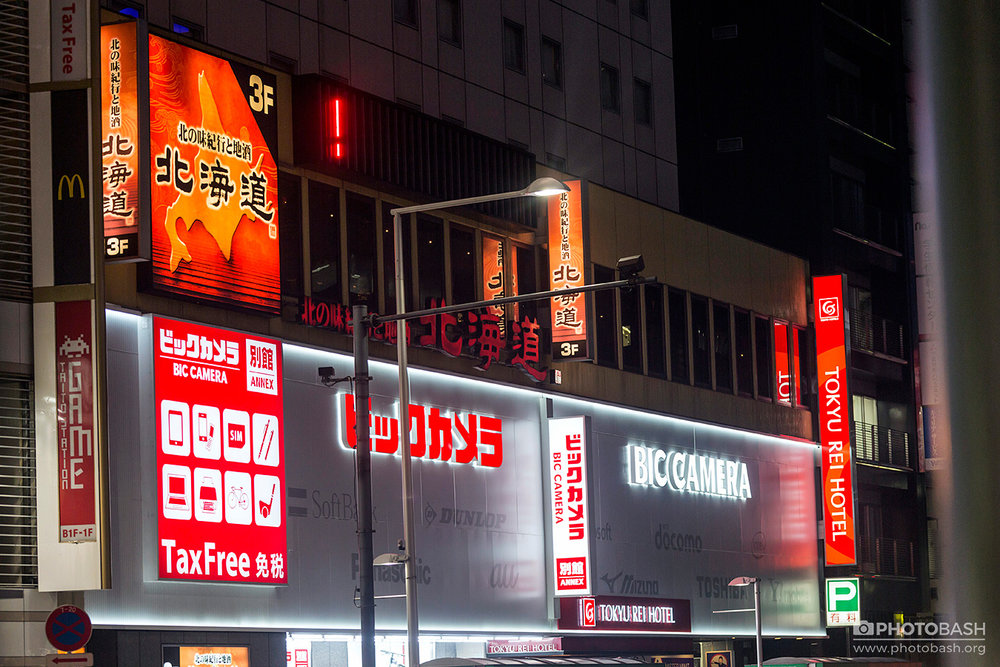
(687, 473)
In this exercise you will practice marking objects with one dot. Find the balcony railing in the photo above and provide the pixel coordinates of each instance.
(878, 444)
(887, 556)
(875, 334)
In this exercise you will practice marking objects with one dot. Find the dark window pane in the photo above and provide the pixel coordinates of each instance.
(642, 99)
(361, 274)
(405, 11)
(678, 337)
(513, 46)
(701, 342)
(290, 234)
(639, 8)
(430, 260)
(744, 353)
(609, 88)
(723, 347)
(450, 21)
(631, 331)
(604, 310)
(524, 281)
(463, 266)
(764, 366)
(805, 370)
(655, 350)
(324, 241)
(551, 62)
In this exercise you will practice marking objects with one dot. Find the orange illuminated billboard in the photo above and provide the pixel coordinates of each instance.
(214, 177)
(567, 266)
(494, 278)
(121, 143)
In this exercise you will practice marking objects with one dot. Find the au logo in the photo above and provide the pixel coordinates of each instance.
(70, 182)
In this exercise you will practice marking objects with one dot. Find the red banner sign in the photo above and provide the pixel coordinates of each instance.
(569, 509)
(567, 269)
(493, 278)
(613, 612)
(834, 421)
(783, 378)
(75, 422)
(220, 455)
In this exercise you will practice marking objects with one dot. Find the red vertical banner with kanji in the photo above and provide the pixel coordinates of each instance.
(121, 167)
(569, 511)
(77, 442)
(214, 177)
(567, 268)
(494, 280)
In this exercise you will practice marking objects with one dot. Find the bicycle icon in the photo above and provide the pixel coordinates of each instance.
(237, 496)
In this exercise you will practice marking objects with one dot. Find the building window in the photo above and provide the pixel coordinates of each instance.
(362, 274)
(765, 369)
(525, 282)
(604, 309)
(405, 11)
(744, 352)
(290, 233)
(639, 8)
(552, 62)
(609, 88)
(188, 29)
(723, 347)
(450, 21)
(677, 307)
(513, 46)
(430, 260)
(631, 330)
(324, 242)
(701, 345)
(463, 264)
(389, 259)
(642, 99)
(655, 342)
(804, 355)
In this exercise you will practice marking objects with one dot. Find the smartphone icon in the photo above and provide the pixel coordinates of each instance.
(175, 428)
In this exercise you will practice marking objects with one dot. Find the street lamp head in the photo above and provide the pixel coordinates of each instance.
(545, 187)
(742, 581)
(629, 268)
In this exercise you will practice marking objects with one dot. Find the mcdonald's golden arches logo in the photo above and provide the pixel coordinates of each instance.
(70, 182)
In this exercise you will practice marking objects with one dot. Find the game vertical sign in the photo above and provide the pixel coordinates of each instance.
(77, 461)
(220, 455)
(569, 505)
(834, 421)
(121, 145)
(567, 266)
(214, 177)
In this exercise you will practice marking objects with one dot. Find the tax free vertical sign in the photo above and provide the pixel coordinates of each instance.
(834, 421)
(219, 455)
(569, 511)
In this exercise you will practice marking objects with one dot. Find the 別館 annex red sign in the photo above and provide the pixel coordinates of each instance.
(219, 455)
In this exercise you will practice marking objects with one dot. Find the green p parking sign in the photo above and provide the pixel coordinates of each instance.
(843, 601)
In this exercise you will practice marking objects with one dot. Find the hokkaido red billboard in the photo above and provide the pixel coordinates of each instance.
(834, 421)
(567, 267)
(219, 455)
(214, 182)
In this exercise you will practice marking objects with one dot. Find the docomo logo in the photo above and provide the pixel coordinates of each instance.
(441, 436)
(200, 348)
(828, 308)
(687, 473)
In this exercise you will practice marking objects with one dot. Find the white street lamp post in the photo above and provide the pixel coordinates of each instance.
(746, 581)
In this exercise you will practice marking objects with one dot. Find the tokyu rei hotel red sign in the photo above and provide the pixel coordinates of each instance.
(219, 455)
(834, 421)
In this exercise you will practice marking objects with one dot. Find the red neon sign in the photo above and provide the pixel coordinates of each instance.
(334, 123)
(783, 377)
(834, 424)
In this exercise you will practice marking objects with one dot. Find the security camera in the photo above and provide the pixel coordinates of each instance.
(630, 267)
(326, 374)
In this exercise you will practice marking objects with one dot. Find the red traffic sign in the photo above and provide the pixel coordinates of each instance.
(68, 628)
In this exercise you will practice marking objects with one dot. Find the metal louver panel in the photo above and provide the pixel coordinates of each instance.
(18, 509)
(15, 166)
